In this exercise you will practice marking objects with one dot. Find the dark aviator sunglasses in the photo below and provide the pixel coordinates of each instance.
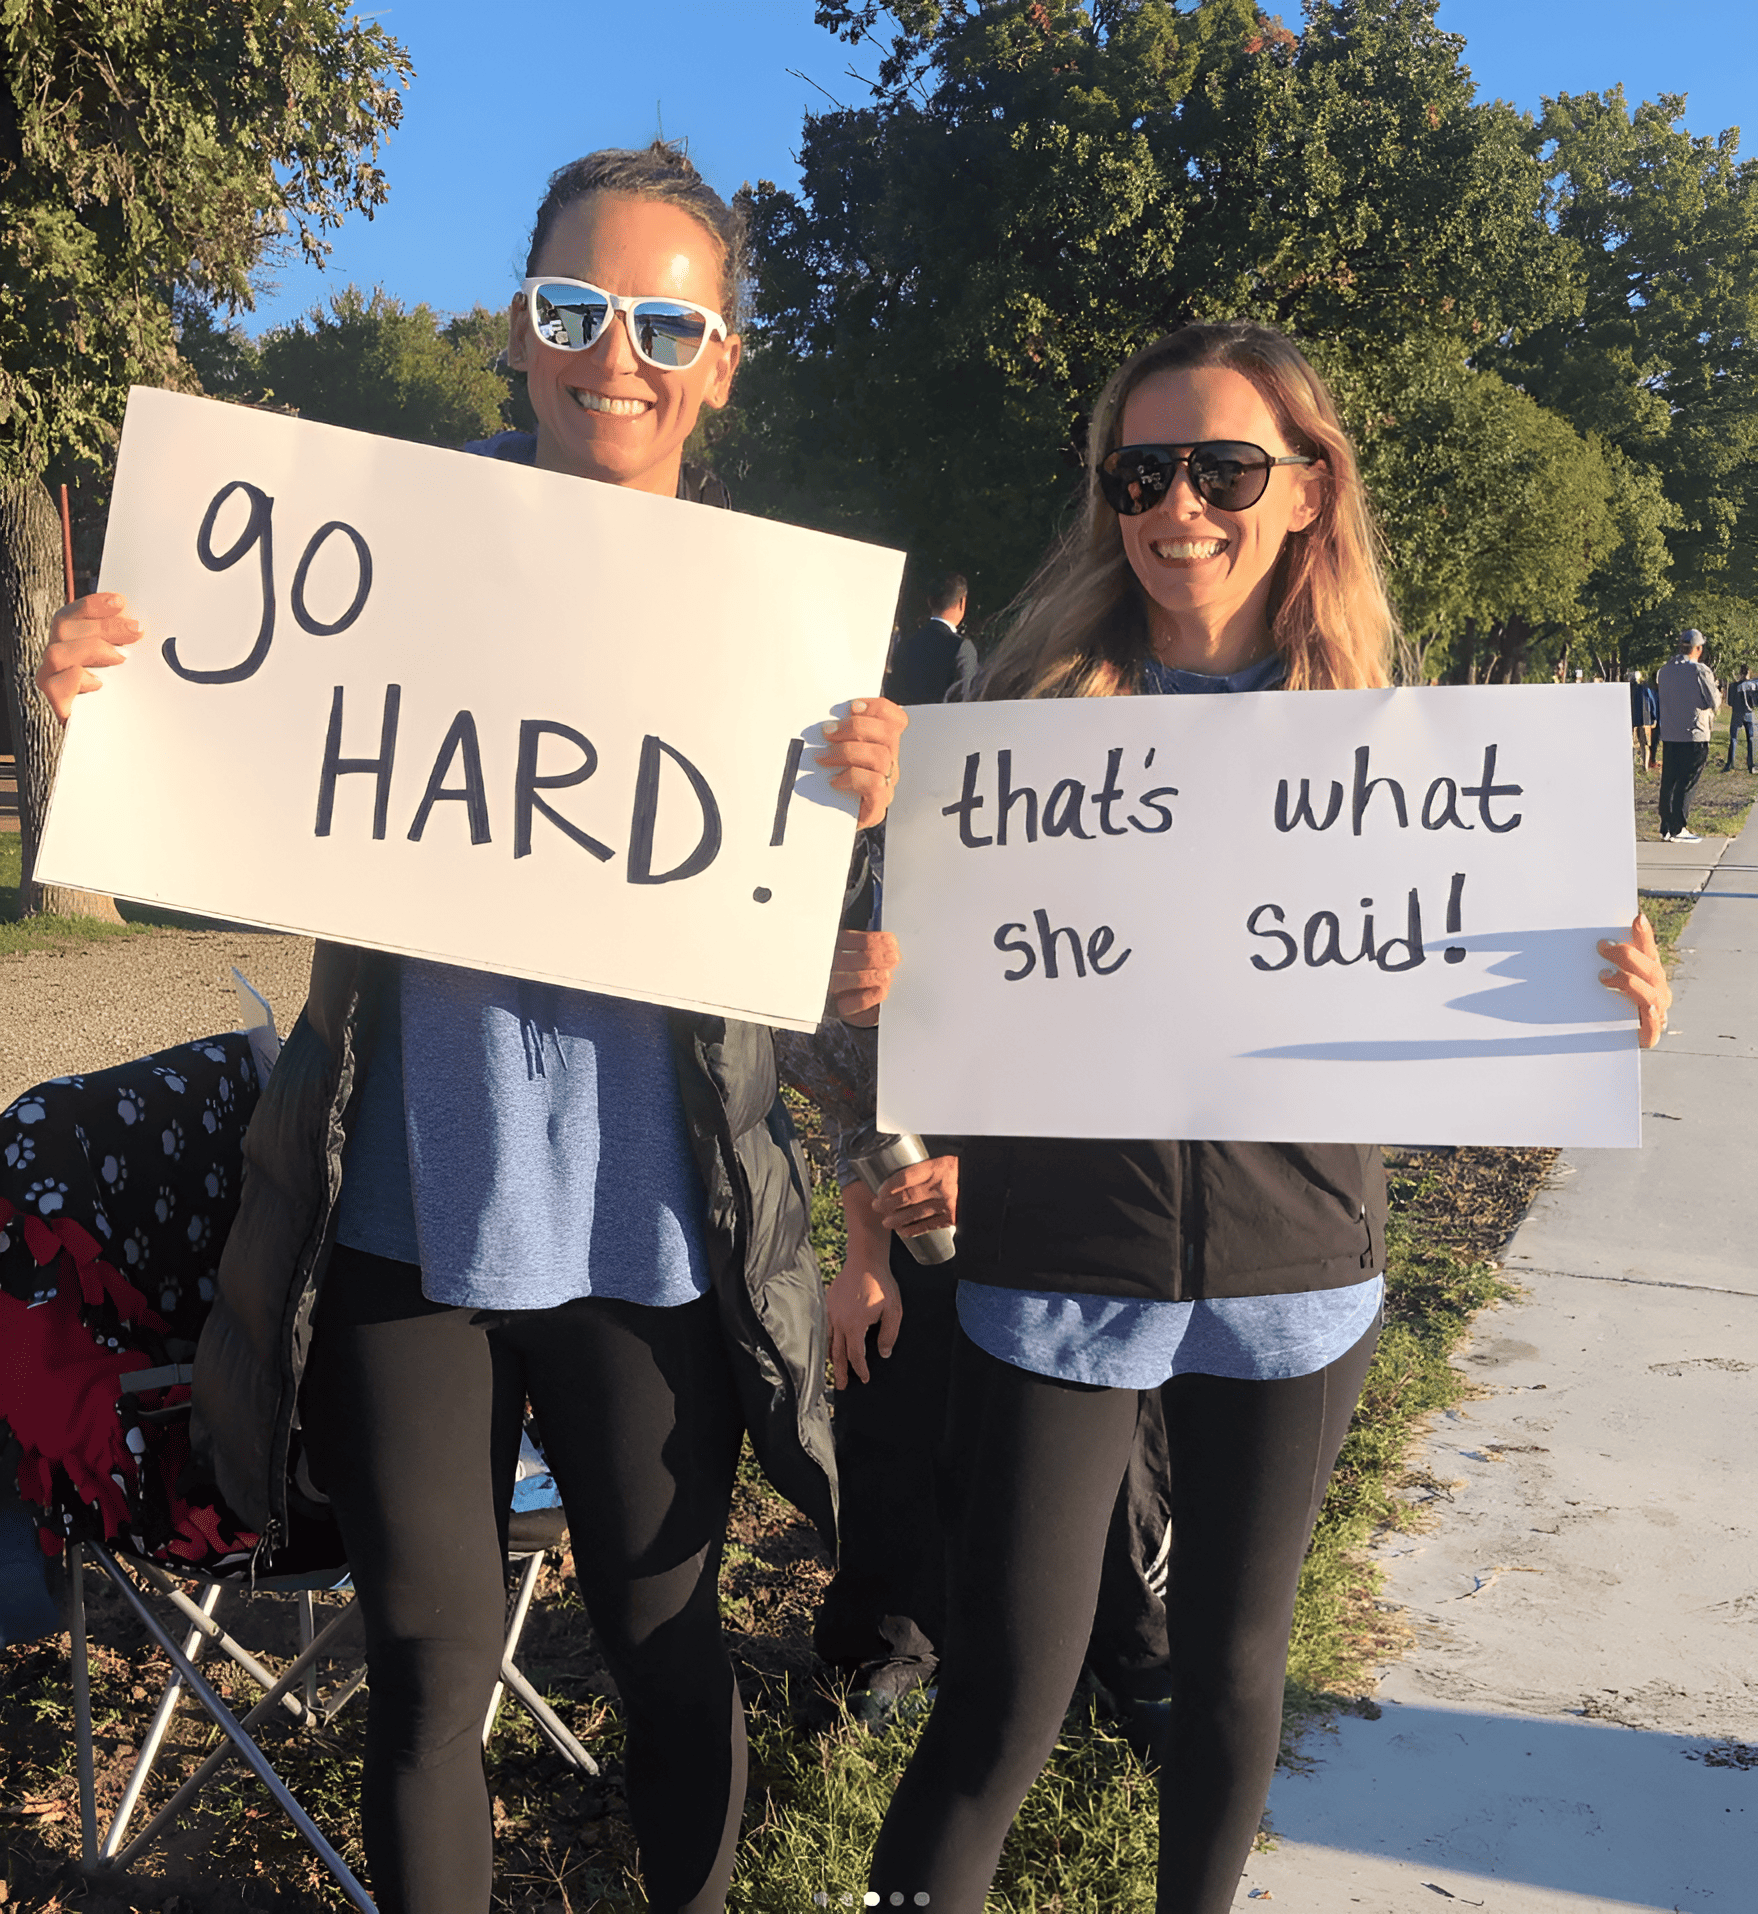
(1230, 474)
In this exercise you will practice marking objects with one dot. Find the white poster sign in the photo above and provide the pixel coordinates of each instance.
(1363, 916)
(467, 710)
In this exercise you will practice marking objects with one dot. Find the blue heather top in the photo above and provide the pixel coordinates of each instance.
(478, 1150)
(1122, 1344)
(525, 1144)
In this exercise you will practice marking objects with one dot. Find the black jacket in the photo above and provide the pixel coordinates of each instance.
(1169, 1222)
(765, 1275)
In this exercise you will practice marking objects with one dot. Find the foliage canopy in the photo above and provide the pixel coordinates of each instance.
(368, 362)
(1518, 316)
(152, 154)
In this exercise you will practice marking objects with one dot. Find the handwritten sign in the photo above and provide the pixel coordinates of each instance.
(1364, 916)
(467, 710)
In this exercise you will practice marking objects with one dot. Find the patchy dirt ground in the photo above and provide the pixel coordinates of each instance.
(1475, 1202)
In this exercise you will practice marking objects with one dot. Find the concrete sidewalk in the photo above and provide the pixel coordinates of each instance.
(1575, 1726)
(1677, 870)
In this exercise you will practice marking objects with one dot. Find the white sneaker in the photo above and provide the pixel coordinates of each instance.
(1666, 837)
(1687, 837)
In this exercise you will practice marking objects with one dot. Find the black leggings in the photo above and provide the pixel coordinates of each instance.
(412, 1413)
(1250, 1461)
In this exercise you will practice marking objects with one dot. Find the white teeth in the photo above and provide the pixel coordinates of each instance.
(598, 402)
(1189, 547)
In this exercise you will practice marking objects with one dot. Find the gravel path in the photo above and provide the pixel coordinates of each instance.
(92, 1005)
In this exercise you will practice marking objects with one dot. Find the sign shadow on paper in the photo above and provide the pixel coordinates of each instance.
(1532, 994)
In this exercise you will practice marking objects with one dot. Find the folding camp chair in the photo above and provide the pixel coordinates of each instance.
(294, 1690)
(116, 1191)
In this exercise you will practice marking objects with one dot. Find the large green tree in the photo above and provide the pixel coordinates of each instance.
(1657, 351)
(152, 153)
(374, 364)
(1035, 188)
(1512, 539)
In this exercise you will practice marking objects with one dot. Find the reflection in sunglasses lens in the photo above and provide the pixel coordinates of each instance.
(1223, 473)
(666, 335)
(569, 319)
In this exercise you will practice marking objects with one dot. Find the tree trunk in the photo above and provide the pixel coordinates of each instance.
(31, 585)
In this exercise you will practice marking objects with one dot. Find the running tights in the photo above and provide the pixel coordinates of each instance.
(1249, 1462)
(412, 1412)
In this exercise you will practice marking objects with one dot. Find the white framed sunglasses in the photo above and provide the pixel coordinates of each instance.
(573, 316)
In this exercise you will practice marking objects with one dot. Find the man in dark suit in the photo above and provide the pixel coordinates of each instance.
(927, 664)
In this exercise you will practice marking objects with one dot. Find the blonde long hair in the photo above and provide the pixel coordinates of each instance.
(1080, 628)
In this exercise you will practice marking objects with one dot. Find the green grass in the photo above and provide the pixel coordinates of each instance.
(44, 933)
(1086, 1837)
(66, 933)
(1669, 916)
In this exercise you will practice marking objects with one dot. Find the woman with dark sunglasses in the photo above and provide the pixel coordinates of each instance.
(1225, 547)
(466, 1190)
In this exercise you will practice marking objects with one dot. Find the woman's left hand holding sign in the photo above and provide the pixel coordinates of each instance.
(861, 750)
(84, 638)
(1639, 974)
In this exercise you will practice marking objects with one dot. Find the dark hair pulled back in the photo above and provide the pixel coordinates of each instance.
(660, 172)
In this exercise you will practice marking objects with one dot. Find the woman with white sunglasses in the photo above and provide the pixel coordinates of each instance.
(466, 1190)
(1225, 546)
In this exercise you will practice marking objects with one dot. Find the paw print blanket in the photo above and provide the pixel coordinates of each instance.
(116, 1193)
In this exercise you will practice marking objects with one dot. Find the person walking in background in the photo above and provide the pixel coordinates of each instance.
(1689, 701)
(931, 662)
(1644, 720)
(1742, 706)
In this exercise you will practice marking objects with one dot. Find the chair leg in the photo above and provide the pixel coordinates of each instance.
(156, 1576)
(193, 1643)
(222, 1754)
(515, 1628)
(238, 1734)
(82, 1705)
(549, 1721)
(552, 1725)
(307, 1632)
(343, 1695)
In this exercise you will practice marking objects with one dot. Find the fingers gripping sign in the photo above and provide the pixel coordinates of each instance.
(86, 638)
(1637, 972)
(862, 752)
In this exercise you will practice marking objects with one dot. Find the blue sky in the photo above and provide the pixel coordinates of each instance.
(495, 106)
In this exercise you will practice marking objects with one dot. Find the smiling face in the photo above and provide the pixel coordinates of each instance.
(1206, 574)
(605, 413)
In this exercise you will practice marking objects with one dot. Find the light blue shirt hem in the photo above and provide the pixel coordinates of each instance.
(1117, 1343)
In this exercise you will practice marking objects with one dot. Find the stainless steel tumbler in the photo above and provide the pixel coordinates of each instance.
(877, 1156)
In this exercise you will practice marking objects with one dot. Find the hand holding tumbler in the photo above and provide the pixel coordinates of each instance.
(877, 1156)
